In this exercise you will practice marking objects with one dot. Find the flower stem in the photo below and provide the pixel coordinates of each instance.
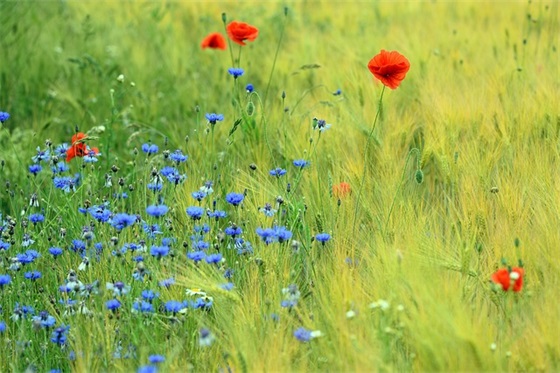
(370, 136)
(276, 55)
(413, 150)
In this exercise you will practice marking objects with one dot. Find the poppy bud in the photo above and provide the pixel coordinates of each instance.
(224, 17)
(419, 176)
(283, 95)
(285, 11)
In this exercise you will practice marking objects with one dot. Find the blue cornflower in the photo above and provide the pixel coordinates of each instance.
(42, 155)
(149, 295)
(36, 218)
(303, 334)
(157, 210)
(60, 151)
(276, 233)
(168, 241)
(78, 246)
(32, 275)
(234, 198)
(201, 229)
(323, 237)
(91, 156)
(44, 319)
(242, 246)
(213, 117)
(200, 245)
(167, 282)
(66, 183)
(277, 172)
(236, 72)
(151, 230)
(197, 256)
(123, 220)
(59, 168)
(147, 369)
(4, 116)
(113, 304)
(206, 338)
(100, 213)
(174, 306)
(217, 214)
(118, 288)
(2, 326)
(35, 168)
(55, 251)
(4, 245)
(159, 251)
(213, 258)
(150, 148)
(172, 175)
(321, 125)
(198, 195)
(59, 335)
(195, 212)
(233, 231)
(268, 210)
(156, 359)
(249, 88)
(143, 307)
(155, 187)
(338, 92)
(227, 286)
(178, 157)
(5, 280)
(301, 163)
(27, 257)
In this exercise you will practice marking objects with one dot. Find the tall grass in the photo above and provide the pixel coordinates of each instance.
(398, 287)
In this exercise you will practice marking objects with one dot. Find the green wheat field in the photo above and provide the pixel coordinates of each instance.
(162, 212)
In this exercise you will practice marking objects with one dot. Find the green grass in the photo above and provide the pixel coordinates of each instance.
(480, 103)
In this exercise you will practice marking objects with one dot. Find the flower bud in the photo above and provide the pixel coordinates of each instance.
(419, 176)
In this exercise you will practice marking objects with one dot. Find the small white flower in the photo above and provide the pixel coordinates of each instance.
(120, 78)
(316, 334)
(193, 292)
(400, 308)
(514, 276)
(493, 347)
(350, 314)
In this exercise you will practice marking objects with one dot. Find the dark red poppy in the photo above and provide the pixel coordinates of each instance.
(506, 279)
(341, 190)
(78, 147)
(238, 32)
(389, 67)
(214, 40)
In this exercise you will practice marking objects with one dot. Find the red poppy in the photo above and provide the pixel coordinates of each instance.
(238, 32)
(78, 147)
(389, 67)
(505, 278)
(214, 40)
(341, 190)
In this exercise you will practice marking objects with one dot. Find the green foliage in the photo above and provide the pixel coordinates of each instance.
(461, 174)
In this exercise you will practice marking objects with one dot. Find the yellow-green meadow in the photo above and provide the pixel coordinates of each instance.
(361, 186)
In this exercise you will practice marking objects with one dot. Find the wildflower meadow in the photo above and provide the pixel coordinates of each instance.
(261, 186)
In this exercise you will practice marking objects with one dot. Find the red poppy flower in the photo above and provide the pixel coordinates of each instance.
(238, 32)
(78, 147)
(341, 190)
(389, 67)
(214, 40)
(505, 278)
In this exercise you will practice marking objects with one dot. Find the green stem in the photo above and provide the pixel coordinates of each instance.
(370, 136)
(413, 150)
(276, 55)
